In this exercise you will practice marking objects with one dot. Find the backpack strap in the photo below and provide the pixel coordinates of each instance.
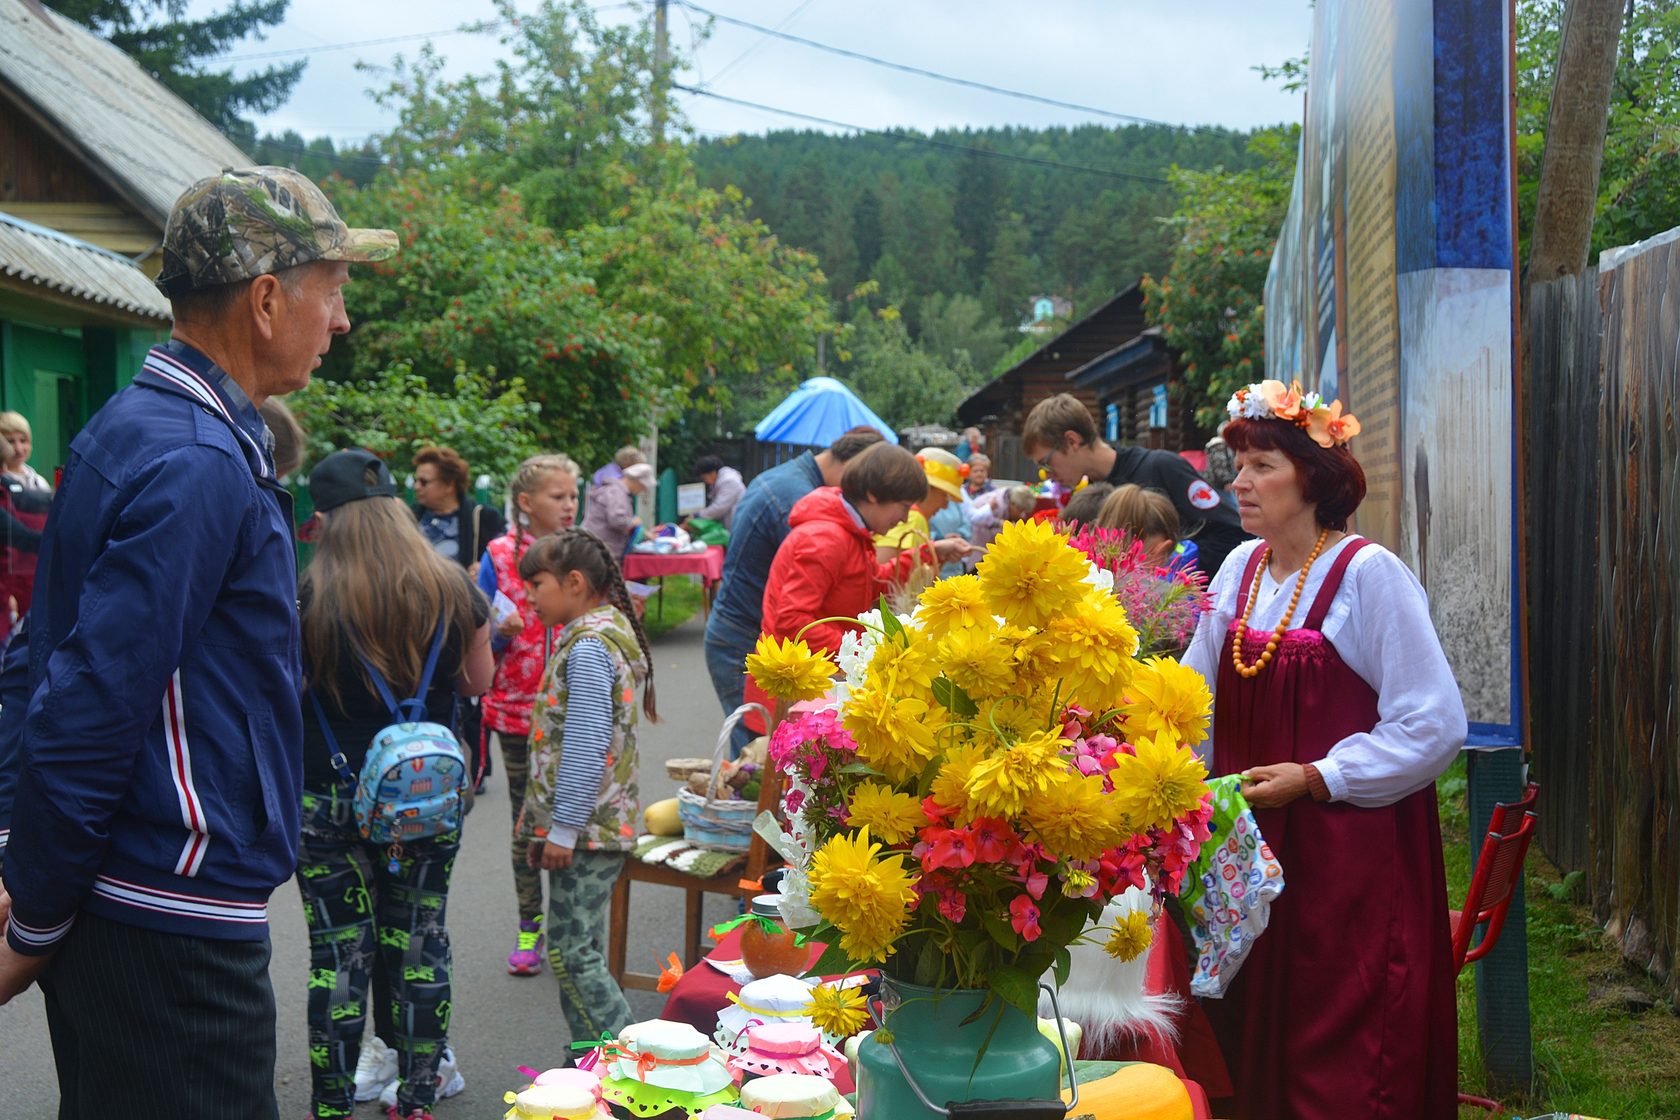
(412, 710)
(334, 754)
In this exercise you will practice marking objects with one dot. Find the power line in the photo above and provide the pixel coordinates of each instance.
(754, 49)
(460, 29)
(929, 141)
(904, 68)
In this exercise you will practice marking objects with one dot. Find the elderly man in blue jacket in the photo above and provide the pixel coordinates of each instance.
(157, 795)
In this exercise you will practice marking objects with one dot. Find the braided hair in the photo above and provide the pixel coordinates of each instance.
(526, 478)
(579, 550)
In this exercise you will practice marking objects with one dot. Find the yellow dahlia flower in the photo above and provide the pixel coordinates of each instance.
(1075, 819)
(950, 784)
(903, 666)
(977, 662)
(1130, 937)
(1167, 698)
(789, 669)
(1158, 784)
(1031, 574)
(867, 899)
(1092, 650)
(893, 734)
(950, 604)
(837, 1011)
(891, 815)
(1002, 784)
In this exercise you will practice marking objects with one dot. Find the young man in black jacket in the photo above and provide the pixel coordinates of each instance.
(1061, 437)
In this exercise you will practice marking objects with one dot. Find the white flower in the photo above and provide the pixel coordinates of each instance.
(1234, 406)
(1255, 407)
(1312, 401)
(1100, 578)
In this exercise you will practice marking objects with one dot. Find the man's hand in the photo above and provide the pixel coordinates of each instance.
(5, 908)
(18, 972)
(546, 855)
(1273, 787)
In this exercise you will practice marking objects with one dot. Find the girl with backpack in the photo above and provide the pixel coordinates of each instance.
(543, 494)
(581, 811)
(381, 613)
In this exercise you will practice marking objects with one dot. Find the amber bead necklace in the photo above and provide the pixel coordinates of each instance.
(1283, 624)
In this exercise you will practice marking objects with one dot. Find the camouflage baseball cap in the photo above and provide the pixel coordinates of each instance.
(252, 221)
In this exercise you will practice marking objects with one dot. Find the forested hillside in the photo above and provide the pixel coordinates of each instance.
(1072, 212)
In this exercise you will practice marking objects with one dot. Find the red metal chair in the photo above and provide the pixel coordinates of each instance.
(1494, 884)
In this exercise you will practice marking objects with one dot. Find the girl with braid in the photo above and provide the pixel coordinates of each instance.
(581, 803)
(543, 495)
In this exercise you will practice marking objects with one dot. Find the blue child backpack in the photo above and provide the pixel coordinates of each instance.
(411, 785)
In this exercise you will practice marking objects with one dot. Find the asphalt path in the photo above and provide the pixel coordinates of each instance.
(499, 1021)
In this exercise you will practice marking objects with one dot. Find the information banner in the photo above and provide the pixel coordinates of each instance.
(1393, 288)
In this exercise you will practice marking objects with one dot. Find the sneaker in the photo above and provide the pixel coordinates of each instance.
(527, 959)
(449, 1080)
(417, 1114)
(375, 1069)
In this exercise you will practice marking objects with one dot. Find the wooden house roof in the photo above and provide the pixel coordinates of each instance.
(145, 142)
(47, 263)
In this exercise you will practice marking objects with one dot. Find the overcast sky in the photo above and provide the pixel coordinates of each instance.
(1182, 61)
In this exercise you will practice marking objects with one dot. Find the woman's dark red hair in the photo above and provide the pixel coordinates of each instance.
(1331, 478)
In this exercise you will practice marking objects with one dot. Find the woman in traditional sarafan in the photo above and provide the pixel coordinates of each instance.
(1333, 699)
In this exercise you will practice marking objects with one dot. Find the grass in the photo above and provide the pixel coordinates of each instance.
(1592, 1055)
(682, 602)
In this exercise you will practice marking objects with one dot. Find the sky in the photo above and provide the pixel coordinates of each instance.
(1180, 61)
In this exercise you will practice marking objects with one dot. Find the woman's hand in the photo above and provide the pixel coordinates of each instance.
(948, 549)
(511, 625)
(546, 855)
(1274, 786)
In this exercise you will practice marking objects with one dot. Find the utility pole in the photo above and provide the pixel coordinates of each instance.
(661, 64)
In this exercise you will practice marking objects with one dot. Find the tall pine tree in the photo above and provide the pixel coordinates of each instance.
(178, 52)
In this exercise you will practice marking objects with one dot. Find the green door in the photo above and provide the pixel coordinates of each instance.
(45, 374)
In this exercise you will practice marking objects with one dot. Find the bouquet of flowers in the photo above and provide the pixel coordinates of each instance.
(1163, 603)
(991, 771)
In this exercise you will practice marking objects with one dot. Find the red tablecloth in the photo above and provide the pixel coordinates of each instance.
(642, 566)
(703, 991)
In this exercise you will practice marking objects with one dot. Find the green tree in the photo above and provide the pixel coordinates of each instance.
(480, 287)
(179, 51)
(396, 412)
(1209, 304)
(1639, 183)
(956, 328)
(900, 380)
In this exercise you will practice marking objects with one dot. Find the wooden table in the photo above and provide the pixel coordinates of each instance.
(693, 887)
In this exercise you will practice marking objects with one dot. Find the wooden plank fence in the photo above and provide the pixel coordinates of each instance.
(1604, 570)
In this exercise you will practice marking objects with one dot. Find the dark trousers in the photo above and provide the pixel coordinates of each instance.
(365, 921)
(156, 1025)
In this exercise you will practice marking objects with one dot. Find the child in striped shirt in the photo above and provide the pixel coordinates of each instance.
(581, 805)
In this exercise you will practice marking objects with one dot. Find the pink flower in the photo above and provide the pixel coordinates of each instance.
(795, 801)
(953, 904)
(948, 848)
(1036, 881)
(1023, 915)
(992, 839)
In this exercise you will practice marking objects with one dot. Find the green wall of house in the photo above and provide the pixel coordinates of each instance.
(58, 376)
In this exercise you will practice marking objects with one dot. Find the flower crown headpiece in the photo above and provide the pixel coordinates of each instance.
(1327, 424)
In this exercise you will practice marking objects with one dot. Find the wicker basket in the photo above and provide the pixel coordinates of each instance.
(725, 824)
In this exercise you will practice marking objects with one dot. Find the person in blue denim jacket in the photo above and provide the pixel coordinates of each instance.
(761, 524)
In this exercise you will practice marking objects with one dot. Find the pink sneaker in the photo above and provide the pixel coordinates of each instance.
(527, 959)
(417, 1114)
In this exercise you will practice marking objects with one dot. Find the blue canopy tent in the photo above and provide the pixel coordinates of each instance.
(816, 414)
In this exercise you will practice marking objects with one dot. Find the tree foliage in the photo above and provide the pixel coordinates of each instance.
(179, 51)
(902, 382)
(1209, 304)
(397, 411)
(1639, 184)
(479, 286)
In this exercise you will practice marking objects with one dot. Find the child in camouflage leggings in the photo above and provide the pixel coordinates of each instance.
(579, 819)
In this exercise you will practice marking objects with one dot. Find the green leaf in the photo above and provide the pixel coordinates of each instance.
(1018, 988)
(951, 696)
(834, 959)
(893, 628)
(1064, 965)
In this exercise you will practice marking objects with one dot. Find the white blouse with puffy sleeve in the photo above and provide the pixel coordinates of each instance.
(1379, 623)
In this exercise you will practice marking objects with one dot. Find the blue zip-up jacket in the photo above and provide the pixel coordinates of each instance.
(161, 765)
(14, 702)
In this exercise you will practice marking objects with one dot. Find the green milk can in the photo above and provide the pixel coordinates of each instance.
(929, 1070)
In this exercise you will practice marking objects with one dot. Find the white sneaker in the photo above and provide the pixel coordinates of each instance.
(375, 1069)
(449, 1080)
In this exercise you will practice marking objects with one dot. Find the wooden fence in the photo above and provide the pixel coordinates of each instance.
(1604, 569)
